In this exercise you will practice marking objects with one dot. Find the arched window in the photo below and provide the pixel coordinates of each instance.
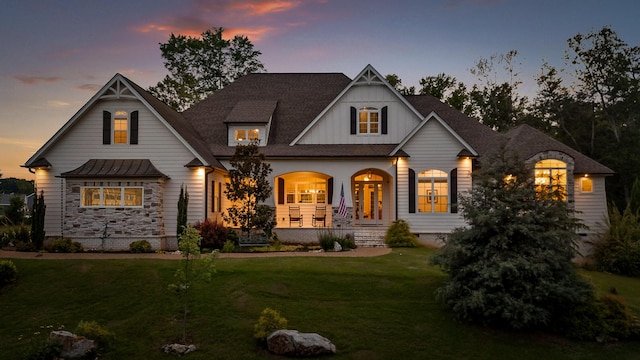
(551, 179)
(368, 120)
(433, 191)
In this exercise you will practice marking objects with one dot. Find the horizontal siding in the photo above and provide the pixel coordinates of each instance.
(156, 143)
(591, 207)
(433, 147)
(334, 126)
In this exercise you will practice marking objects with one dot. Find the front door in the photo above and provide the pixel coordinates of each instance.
(368, 200)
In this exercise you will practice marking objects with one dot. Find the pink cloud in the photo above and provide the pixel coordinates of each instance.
(32, 80)
(89, 87)
(265, 7)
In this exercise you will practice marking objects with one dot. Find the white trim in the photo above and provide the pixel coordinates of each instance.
(433, 115)
(365, 77)
(116, 80)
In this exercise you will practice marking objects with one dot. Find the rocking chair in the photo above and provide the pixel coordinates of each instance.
(319, 217)
(295, 216)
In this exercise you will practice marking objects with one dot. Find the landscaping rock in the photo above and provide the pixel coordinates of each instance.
(337, 247)
(178, 349)
(294, 343)
(72, 346)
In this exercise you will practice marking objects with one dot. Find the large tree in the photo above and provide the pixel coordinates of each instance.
(512, 266)
(200, 66)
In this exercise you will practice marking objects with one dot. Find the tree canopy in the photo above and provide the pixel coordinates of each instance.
(198, 66)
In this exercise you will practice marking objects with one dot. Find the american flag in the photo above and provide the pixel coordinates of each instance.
(342, 208)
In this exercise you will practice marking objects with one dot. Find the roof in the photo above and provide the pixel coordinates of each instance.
(295, 100)
(300, 98)
(174, 120)
(527, 141)
(252, 111)
(115, 168)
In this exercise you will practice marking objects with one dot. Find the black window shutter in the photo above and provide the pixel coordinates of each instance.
(412, 191)
(330, 191)
(134, 128)
(106, 127)
(384, 120)
(354, 114)
(454, 191)
(280, 190)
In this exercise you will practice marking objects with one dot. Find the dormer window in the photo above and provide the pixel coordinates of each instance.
(247, 135)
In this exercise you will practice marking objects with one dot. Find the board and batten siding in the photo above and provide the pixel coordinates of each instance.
(591, 207)
(83, 141)
(432, 147)
(334, 126)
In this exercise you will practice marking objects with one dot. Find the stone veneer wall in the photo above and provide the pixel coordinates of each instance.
(124, 225)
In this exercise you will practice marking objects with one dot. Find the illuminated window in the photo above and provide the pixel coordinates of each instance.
(246, 135)
(368, 120)
(120, 127)
(586, 185)
(551, 179)
(111, 196)
(433, 191)
(306, 190)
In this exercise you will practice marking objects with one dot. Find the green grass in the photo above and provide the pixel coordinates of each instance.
(371, 308)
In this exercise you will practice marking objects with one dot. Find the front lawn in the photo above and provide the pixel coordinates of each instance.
(370, 308)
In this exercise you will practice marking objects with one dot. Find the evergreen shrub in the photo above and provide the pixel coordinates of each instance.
(94, 331)
(399, 235)
(270, 320)
(140, 246)
(63, 245)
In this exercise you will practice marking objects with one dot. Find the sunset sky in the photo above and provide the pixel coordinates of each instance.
(56, 54)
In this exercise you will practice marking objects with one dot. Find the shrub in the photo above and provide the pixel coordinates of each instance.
(214, 235)
(347, 242)
(8, 272)
(270, 320)
(326, 239)
(229, 247)
(93, 331)
(618, 250)
(140, 246)
(63, 246)
(399, 235)
(603, 319)
(15, 234)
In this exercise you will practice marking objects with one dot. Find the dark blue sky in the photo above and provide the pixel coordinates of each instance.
(57, 53)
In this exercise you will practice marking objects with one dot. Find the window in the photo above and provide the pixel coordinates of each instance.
(306, 190)
(368, 120)
(111, 196)
(246, 135)
(551, 179)
(433, 191)
(586, 185)
(120, 127)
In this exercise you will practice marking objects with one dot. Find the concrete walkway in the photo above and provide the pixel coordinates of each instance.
(359, 252)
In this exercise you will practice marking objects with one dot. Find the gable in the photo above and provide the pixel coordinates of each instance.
(122, 95)
(335, 124)
(433, 145)
(367, 91)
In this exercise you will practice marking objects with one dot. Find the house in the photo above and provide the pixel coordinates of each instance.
(5, 202)
(118, 164)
